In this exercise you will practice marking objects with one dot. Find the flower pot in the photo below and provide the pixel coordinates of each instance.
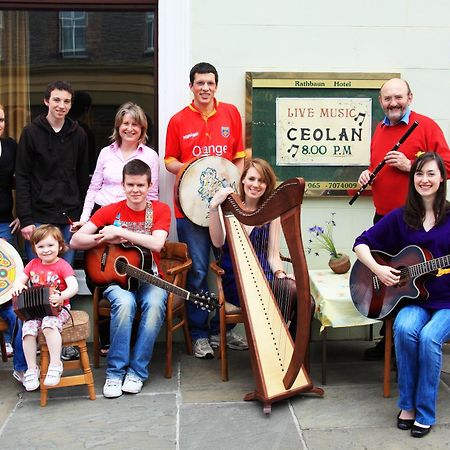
(340, 264)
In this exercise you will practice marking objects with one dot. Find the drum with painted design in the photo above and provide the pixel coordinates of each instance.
(197, 183)
(10, 266)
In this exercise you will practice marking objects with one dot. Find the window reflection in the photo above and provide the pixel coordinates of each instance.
(107, 55)
(150, 19)
(72, 36)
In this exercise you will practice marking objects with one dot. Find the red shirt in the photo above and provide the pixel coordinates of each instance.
(49, 275)
(120, 214)
(390, 187)
(191, 134)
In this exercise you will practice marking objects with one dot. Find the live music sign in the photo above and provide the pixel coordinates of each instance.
(323, 131)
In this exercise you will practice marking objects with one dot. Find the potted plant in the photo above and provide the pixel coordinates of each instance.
(322, 239)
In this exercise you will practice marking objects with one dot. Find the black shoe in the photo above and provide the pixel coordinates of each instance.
(70, 353)
(419, 432)
(404, 424)
(375, 353)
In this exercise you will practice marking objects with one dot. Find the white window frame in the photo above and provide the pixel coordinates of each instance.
(77, 20)
(150, 38)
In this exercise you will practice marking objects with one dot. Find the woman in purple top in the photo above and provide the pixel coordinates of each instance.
(421, 328)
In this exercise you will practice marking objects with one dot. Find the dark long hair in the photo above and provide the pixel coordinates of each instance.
(414, 212)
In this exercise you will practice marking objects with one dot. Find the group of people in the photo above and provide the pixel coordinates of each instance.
(56, 204)
(119, 204)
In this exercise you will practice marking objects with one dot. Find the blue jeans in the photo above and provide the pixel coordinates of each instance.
(7, 314)
(69, 256)
(199, 245)
(419, 334)
(5, 233)
(122, 358)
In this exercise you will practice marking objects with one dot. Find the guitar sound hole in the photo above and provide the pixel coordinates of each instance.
(120, 265)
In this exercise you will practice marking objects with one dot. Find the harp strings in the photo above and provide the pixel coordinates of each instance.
(283, 289)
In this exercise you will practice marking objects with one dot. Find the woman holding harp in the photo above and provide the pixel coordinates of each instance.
(256, 184)
(276, 305)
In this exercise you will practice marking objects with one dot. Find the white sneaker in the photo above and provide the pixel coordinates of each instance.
(235, 341)
(9, 350)
(132, 384)
(31, 379)
(53, 376)
(214, 340)
(19, 376)
(112, 388)
(202, 349)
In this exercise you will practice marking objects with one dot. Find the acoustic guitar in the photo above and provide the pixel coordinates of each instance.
(124, 264)
(375, 300)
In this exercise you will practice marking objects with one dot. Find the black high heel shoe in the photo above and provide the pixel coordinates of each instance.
(419, 432)
(404, 424)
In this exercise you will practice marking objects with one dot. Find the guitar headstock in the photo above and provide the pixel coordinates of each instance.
(205, 300)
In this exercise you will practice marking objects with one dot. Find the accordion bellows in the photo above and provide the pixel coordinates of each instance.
(33, 303)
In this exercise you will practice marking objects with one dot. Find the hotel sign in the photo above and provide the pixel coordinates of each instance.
(314, 125)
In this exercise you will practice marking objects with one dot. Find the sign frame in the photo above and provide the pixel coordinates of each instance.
(262, 91)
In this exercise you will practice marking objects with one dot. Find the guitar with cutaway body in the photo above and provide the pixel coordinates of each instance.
(374, 299)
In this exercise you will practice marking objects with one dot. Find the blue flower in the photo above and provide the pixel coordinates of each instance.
(322, 238)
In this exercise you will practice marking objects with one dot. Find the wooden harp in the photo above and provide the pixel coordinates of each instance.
(278, 363)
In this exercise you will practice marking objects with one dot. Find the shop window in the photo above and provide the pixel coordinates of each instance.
(101, 53)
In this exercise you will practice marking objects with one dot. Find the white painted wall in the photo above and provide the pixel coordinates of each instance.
(411, 37)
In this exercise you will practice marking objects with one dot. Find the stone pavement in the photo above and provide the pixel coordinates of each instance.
(196, 410)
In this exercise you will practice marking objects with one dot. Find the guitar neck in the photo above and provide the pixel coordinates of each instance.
(146, 277)
(423, 268)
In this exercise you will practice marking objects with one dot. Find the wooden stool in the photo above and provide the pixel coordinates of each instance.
(75, 336)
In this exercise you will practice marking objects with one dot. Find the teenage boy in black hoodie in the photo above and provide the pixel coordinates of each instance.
(52, 168)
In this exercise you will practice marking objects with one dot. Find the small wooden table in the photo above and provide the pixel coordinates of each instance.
(334, 307)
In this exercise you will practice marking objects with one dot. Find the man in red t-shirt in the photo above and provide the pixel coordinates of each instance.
(145, 224)
(203, 128)
(390, 187)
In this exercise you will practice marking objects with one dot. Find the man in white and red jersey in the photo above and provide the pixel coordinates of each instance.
(390, 187)
(203, 128)
(145, 224)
